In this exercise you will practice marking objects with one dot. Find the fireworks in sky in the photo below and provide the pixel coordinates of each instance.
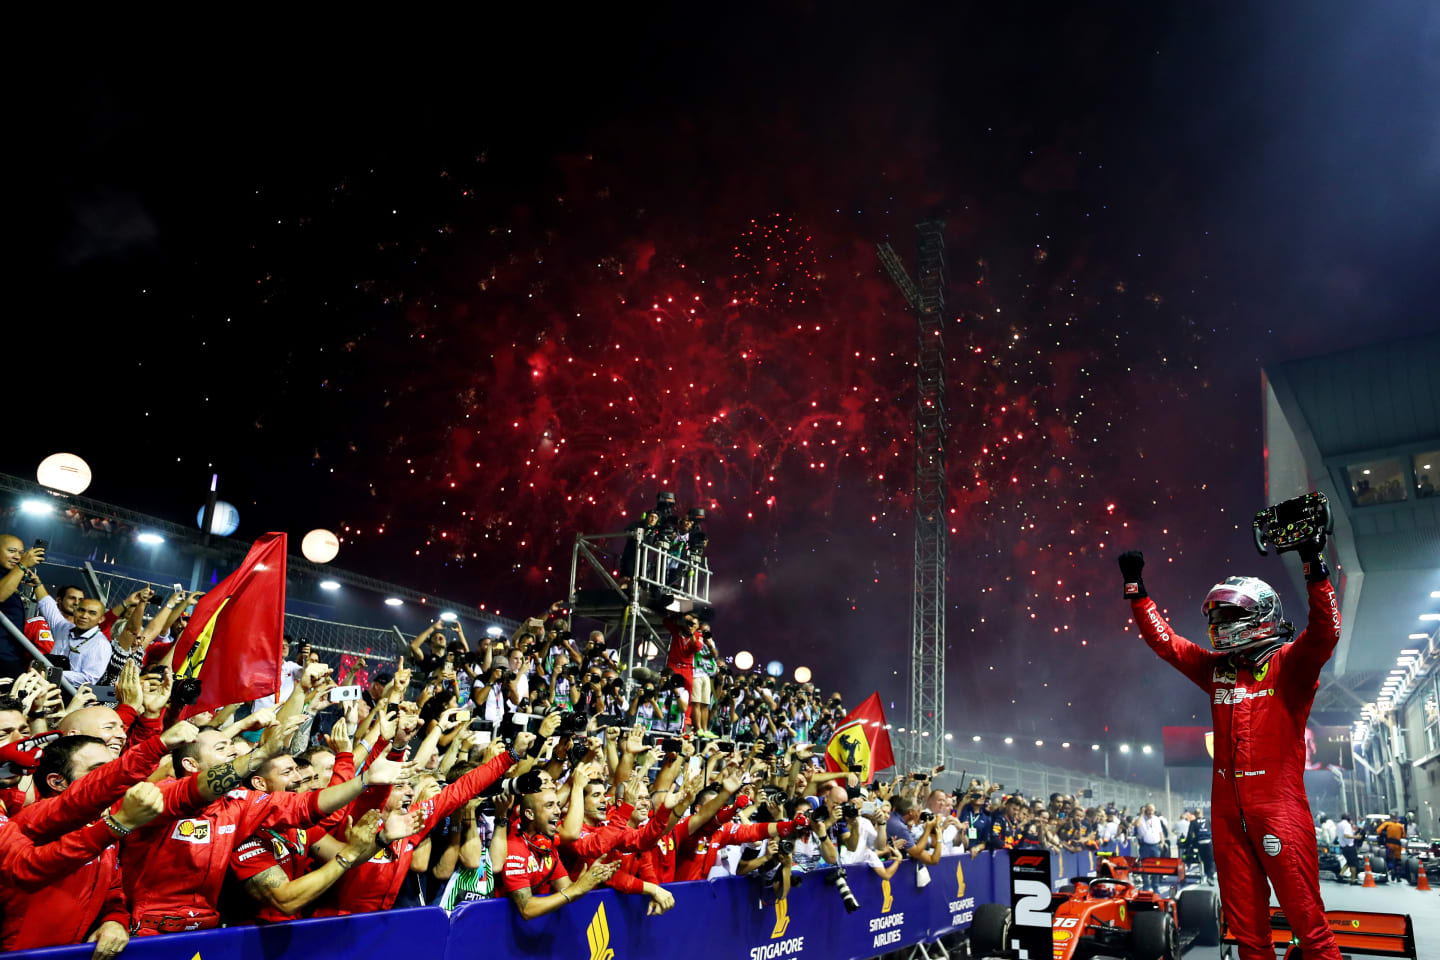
(556, 371)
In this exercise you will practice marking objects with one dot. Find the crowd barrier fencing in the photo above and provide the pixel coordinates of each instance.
(733, 918)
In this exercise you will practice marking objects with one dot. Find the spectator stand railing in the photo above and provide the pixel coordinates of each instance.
(330, 639)
(683, 582)
(1038, 782)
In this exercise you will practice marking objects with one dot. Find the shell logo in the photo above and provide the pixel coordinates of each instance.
(1061, 936)
(186, 828)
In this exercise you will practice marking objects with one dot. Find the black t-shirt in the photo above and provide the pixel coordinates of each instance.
(11, 653)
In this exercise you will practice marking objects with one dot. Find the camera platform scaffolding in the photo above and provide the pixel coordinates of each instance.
(663, 585)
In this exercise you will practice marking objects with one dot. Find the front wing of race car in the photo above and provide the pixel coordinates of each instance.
(1356, 932)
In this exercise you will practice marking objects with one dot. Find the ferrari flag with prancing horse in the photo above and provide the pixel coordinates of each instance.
(861, 744)
(234, 642)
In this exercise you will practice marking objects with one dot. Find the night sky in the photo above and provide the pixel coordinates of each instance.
(460, 291)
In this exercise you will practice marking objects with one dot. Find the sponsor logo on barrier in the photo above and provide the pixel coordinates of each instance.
(1029, 861)
(779, 948)
(888, 930)
(598, 934)
(191, 831)
(889, 900)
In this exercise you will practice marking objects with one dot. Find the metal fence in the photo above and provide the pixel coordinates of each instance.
(1036, 780)
(328, 638)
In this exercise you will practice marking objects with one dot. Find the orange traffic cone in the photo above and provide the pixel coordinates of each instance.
(1423, 881)
(1369, 877)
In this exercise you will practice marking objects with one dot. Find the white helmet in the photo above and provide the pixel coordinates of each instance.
(1244, 612)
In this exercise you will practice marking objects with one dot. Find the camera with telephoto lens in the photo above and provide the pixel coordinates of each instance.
(926, 816)
(572, 723)
(1293, 524)
(843, 885)
(786, 845)
(849, 811)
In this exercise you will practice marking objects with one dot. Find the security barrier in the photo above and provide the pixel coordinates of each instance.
(730, 919)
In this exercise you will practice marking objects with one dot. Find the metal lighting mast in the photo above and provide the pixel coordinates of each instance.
(926, 294)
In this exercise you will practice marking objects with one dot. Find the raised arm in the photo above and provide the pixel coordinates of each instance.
(1190, 659)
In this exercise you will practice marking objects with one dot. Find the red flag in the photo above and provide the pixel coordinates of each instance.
(235, 639)
(861, 744)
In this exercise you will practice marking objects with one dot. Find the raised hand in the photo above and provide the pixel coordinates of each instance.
(1132, 565)
(550, 724)
(182, 732)
(339, 739)
(142, 803)
(384, 772)
(401, 824)
(155, 692)
(127, 686)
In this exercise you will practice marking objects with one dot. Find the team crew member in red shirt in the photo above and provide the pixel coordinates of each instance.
(174, 868)
(685, 642)
(533, 878)
(374, 884)
(588, 833)
(283, 872)
(695, 857)
(1260, 685)
(87, 904)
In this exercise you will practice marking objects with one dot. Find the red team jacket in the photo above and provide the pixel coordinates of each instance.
(174, 867)
(373, 885)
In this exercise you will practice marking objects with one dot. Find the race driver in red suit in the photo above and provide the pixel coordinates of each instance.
(1261, 683)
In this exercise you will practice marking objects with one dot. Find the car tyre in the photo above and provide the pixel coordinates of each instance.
(1153, 936)
(1412, 871)
(1378, 868)
(989, 930)
(1200, 915)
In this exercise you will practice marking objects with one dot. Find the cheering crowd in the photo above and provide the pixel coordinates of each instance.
(517, 767)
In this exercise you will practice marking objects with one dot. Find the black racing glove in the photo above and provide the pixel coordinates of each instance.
(1312, 558)
(1132, 563)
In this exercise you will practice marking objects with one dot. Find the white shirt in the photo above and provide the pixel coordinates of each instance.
(1182, 828)
(868, 836)
(1150, 829)
(89, 654)
(1346, 832)
(289, 672)
(1107, 830)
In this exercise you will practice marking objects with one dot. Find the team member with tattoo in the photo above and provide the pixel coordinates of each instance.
(174, 868)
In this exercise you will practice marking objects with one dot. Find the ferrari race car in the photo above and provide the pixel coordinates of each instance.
(1111, 916)
(1356, 934)
(1422, 855)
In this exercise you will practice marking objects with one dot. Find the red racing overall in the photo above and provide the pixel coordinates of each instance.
(1262, 825)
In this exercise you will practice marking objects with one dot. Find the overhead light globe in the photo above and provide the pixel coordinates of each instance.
(774, 668)
(744, 660)
(329, 585)
(393, 602)
(64, 472)
(1146, 749)
(802, 674)
(1009, 739)
(648, 649)
(448, 617)
(319, 546)
(976, 738)
(150, 538)
(36, 508)
(495, 631)
(225, 521)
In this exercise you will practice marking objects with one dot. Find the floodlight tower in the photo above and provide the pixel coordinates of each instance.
(926, 294)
